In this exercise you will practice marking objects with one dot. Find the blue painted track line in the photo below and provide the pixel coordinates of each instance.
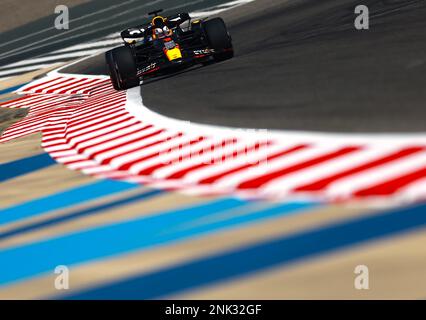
(23, 166)
(37, 258)
(259, 257)
(11, 89)
(63, 200)
(79, 214)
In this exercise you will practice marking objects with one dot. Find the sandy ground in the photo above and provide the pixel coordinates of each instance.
(9, 116)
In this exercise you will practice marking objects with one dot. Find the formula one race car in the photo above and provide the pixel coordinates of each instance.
(167, 44)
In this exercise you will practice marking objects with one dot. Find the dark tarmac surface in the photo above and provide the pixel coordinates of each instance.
(88, 21)
(302, 65)
(305, 67)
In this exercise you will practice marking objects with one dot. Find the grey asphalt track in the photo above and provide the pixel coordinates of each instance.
(88, 21)
(301, 65)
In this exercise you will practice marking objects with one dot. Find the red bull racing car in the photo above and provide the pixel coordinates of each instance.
(167, 44)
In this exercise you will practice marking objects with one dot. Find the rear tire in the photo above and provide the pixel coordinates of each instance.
(219, 39)
(122, 68)
(111, 70)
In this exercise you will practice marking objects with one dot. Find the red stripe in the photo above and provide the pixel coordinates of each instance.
(75, 145)
(45, 114)
(392, 186)
(131, 122)
(84, 109)
(113, 102)
(69, 137)
(83, 88)
(103, 114)
(216, 177)
(156, 133)
(323, 183)
(51, 86)
(137, 130)
(92, 101)
(48, 105)
(118, 101)
(127, 165)
(221, 159)
(96, 87)
(38, 119)
(188, 155)
(15, 101)
(110, 118)
(19, 101)
(18, 127)
(70, 83)
(41, 84)
(78, 85)
(49, 109)
(259, 181)
(103, 89)
(89, 115)
(98, 100)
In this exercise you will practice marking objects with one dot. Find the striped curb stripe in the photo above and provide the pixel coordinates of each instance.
(88, 126)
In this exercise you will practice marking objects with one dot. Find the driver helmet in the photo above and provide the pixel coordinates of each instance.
(160, 28)
(158, 22)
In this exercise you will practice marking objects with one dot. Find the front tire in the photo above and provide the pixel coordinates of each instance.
(122, 68)
(219, 39)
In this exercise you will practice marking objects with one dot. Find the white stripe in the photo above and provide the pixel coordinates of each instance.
(98, 109)
(115, 138)
(101, 43)
(118, 161)
(170, 155)
(96, 114)
(25, 69)
(103, 169)
(415, 191)
(282, 186)
(249, 158)
(60, 85)
(30, 126)
(207, 157)
(77, 85)
(131, 146)
(84, 141)
(275, 164)
(220, 8)
(34, 100)
(35, 129)
(76, 89)
(61, 154)
(79, 165)
(120, 114)
(54, 58)
(90, 128)
(346, 187)
(39, 84)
